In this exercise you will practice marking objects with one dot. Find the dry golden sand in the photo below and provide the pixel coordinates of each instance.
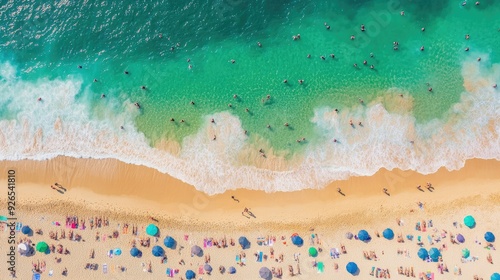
(129, 193)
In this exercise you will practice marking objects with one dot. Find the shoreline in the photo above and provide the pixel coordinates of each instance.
(141, 190)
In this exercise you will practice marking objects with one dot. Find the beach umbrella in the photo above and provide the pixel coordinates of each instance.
(42, 247)
(265, 273)
(190, 274)
(352, 268)
(489, 237)
(363, 235)
(117, 251)
(196, 251)
(245, 244)
(158, 251)
(469, 221)
(207, 268)
(388, 233)
(313, 252)
(152, 230)
(134, 252)
(423, 254)
(22, 248)
(169, 242)
(460, 238)
(3, 219)
(26, 230)
(434, 254)
(297, 240)
(495, 276)
(465, 253)
(232, 270)
(349, 235)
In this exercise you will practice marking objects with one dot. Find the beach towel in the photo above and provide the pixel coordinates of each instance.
(430, 275)
(110, 253)
(19, 226)
(332, 253)
(259, 258)
(373, 271)
(104, 268)
(271, 242)
(168, 272)
(337, 253)
(201, 270)
(205, 243)
(238, 259)
(321, 267)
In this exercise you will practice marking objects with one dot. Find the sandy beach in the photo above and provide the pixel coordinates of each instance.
(128, 194)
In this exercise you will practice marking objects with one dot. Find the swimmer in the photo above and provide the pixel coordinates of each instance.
(353, 37)
(423, 29)
(172, 119)
(362, 27)
(172, 49)
(334, 140)
(137, 105)
(301, 81)
(268, 97)
(355, 65)
(95, 80)
(189, 60)
(395, 48)
(247, 110)
(467, 49)
(365, 62)
(235, 96)
(429, 89)
(464, 3)
(259, 44)
(233, 61)
(422, 48)
(308, 55)
(360, 124)
(126, 72)
(121, 127)
(246, 132)
(214, 138)
(332, 55)
(190, 66)
(467, 36)
(495, 86)
(294, 37)
(336, 110)
(350, 122)
(402, 13)
(322, 57)
(39, 99)
(327, 27)
(477, 3)
(143, 87)
(183, 121)
(298, 36)
(229, 105)
(285, 81)
(286, 124)
(371, 55)
(268, 126)
(212, 121)
(478, 59)
(102, 95)
(191, 102)
(372, 67)
(360, 100)
(79, 66)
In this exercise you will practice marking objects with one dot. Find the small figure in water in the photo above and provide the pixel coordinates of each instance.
(429, 89)
(189, 60)
(362, 27)
(143, 87)
(478, 59)
(268, 126)
(235, 96)
(192, 102)
(372, 67)
(371, 55)
(126, 72)
(301, 81)
(212, 121)
(467, 36)
(259, 44)
(183, 121)
(402, 13)
(322, 57)
(308, 55)
(285, 81)
(79, 66)
(477, 3)
(422, 48)
(467, 49)
(365, 62)
(172, 119)
(233, 61)
(355, 65)
(137, 105)
(229, 105)
(39, 99)
(353, 37)
(103, 95)
(360, 100)
(332, 55)
(423, 29)
(286, 124)
(95, 80)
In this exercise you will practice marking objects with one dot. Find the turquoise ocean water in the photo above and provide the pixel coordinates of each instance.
(181, 51)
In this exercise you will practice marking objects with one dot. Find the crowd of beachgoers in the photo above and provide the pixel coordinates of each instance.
(46, 243)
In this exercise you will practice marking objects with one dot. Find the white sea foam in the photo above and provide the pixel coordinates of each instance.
(63, 124)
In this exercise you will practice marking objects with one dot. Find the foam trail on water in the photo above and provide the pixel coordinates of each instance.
(64, 124)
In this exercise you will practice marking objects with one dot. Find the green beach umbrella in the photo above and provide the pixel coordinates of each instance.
(42, 247)
(313, 252)
(465, 253)
(469, 221)
(152, 230)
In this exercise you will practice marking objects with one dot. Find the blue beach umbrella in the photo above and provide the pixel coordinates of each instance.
(489, 237)
(297, 240)
(265, 273)
(460, 238)
(26, 230)
(363, 235)
(352, 268)
(207, 268)
(190, 274)
(434, 254)
(388, 234)
(158, 251)
(495, 276)
(423, 254)
(169, 242)
(245, 244)
(196, 251)
(152, 230)
(117, 251)
(232, 270)
(134, 252)
(469, 221)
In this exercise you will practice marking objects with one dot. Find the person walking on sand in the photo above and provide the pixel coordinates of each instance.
(386, 191)
(234, 198)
